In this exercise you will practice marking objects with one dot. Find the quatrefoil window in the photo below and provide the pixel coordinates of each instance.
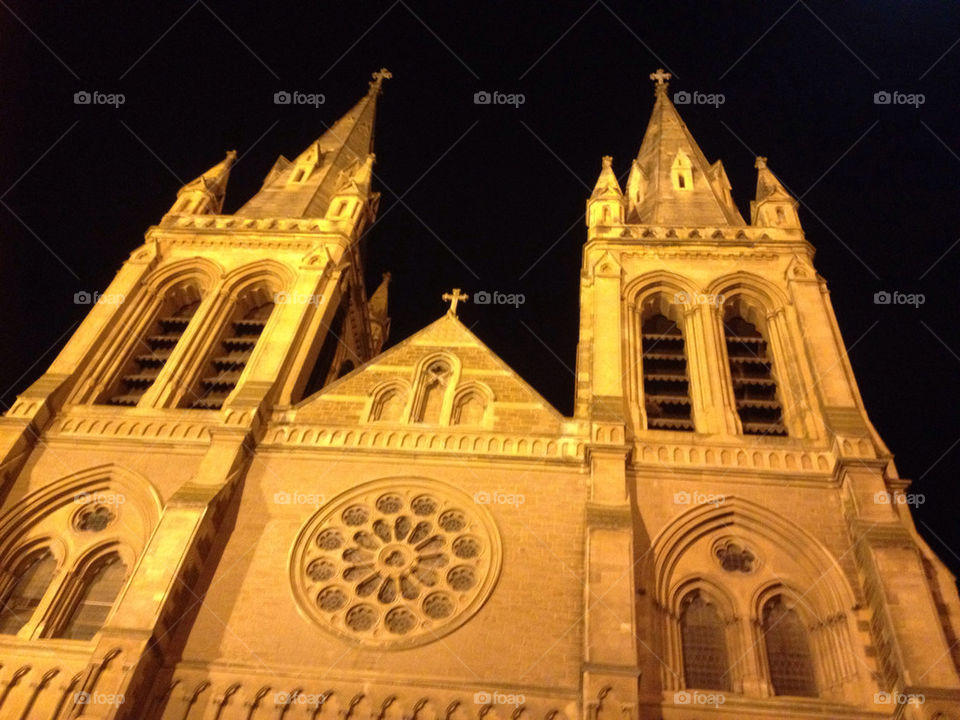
(93, 518)
(734, 557)
(394, 564)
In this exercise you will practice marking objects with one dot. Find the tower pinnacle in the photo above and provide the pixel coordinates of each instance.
(304, 186)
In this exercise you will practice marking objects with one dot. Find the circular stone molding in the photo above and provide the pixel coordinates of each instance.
(395, 563)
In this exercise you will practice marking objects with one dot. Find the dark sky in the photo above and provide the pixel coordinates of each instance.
(493, 196)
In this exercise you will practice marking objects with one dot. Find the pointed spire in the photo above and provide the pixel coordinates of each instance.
(681, 186)
(359, 184)
(204, 194)
(379, 319)
(607, 184)
(773, 206)
(378, 301)
(606, 203)
(304, 187)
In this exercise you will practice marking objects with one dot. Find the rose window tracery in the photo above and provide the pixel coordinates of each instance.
(396, 563)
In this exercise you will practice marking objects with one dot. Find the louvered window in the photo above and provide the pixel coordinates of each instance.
(666, 385)
(231, 358)
(151, 354)
(704, 644)
(754, 387)
(788, 650)
(101, 584)
(33, 577)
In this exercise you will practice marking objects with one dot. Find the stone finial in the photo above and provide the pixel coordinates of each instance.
(662, 80)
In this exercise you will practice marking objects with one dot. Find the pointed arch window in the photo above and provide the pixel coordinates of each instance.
(666, 384)
(99, 586)
(787, 644)
(32, 578)
(705, 659)
(751, 371)
(225, 368)
(468, 409)
(434, 384)
(155, 347)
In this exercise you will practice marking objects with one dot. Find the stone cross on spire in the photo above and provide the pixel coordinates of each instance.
(661, 78)
(453, 298)
(379, 76)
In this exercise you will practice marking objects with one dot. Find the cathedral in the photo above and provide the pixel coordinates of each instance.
(229, 498)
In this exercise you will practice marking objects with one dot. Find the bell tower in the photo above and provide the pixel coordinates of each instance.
(215, 323)
(726, 424)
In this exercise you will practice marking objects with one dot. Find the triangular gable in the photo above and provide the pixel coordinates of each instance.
(514, 406)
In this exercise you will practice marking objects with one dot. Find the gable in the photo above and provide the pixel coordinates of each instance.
(428, 380)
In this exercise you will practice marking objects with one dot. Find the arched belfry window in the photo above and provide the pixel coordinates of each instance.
(99, 584)
(666, 384)
(787, 645)
(433, 388)
(751, 371)
(155, 346)
(223, 371)
(31, 578)
(705, 658)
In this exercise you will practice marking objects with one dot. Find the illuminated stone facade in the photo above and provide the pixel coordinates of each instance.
(224, 500)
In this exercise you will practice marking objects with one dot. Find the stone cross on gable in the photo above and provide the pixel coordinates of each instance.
(453, 298)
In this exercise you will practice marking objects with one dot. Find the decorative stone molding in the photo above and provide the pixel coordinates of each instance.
(757, 458)
(697, 234)
(406, 438)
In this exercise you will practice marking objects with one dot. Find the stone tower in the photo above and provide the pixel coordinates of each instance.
(226, 500)
(121, 462)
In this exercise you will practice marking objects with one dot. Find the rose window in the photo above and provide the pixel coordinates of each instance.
(396, 563)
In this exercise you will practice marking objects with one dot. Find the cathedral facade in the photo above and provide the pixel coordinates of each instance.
(226, 500)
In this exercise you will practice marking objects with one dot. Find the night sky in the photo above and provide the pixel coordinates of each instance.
(491, 197)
